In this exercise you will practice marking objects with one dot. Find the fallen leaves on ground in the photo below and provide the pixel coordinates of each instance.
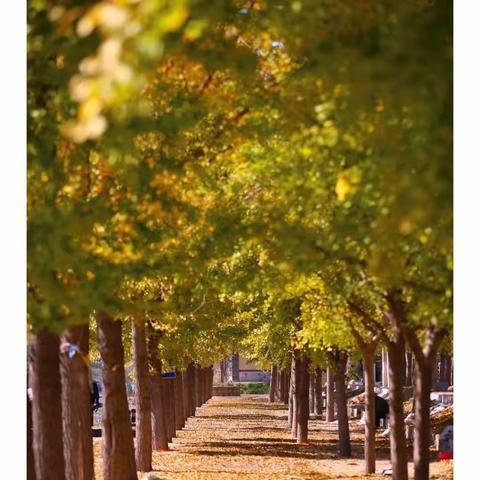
(233, 438)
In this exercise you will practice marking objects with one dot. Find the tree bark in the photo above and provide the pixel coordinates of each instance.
(293, 395)
(330, 412)
(158, 406)
(368, 355)
(398, 447)
(273, 382)
(76, 404)
(118, 450)
(287, 387)
(30, 458)
(345, 448)
(425, 363)
(179, 401)
(47, 407)
(198, 387)
(318, 404)
(170, 402)
(143, 405)
(311, 390)
(302, 399)
(191, 398)
(409, 369)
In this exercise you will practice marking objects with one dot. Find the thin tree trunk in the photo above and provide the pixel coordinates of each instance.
(302, 399)
(76, 404)
(143, 405)
(159, 427)
(287, 387)
(293, 394)
(330, 411)
(311, 390)
(30, 458)
(345, 448)
(118, 450)
(318, 404)
(47, 407)
(273, 382)
(370, 427)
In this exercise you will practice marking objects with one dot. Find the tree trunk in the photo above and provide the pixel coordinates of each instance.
(47, 407)
(198, 387)
(76, 404)
(293, 395)
(425, 364)
(191, 398)
(170, 402)
(448, 369)
(330, 411)
(143, 404)
(158, 406)
(398, 447)
(117, 436)
(311, 390)
(302, 399)
(273, 382)
(422, 433)
(409, 369)
(341, 402)
(179, 401)
(287, 387)
(318, 403)
(30, 459)
(370, 427)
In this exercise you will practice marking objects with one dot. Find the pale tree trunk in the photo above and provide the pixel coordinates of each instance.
(273, 382)
(117, 436)
(76, 404)
(143, 420)
(47, 407)
(330, 410)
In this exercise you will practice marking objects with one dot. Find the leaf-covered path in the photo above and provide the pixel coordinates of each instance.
(247, 438)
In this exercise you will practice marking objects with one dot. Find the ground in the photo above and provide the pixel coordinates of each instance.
(247, 438)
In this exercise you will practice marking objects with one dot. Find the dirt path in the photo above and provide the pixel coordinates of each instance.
(247, 438)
